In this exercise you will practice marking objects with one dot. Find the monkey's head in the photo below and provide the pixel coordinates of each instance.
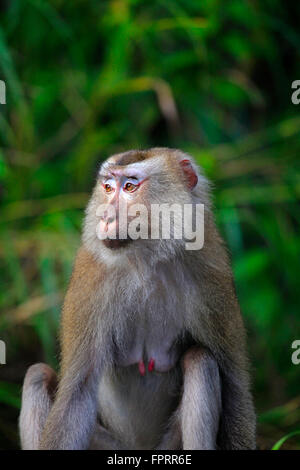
(138, 201)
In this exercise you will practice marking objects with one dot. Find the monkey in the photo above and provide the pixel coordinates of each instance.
(153, 344)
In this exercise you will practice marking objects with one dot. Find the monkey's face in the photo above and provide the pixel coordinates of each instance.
(122, 191)
(130, 206)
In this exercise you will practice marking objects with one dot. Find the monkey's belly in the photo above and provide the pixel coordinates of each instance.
(136, 408)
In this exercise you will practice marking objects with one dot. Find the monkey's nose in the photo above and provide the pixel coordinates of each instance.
(107, 219)
(108, 225)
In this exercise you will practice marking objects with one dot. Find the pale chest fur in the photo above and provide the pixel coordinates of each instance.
(150, 313)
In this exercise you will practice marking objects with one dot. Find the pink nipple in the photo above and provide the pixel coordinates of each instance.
(151, 365)
(142, 367)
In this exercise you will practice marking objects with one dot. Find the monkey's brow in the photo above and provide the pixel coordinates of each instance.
(109, 167)
(115, 169)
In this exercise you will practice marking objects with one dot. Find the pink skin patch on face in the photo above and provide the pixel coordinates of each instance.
(151, 365)
(142, 368)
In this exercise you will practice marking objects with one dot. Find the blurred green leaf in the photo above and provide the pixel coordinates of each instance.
(10, 394)
(285, 438)
(91, 79)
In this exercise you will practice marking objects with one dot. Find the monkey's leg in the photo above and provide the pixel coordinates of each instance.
(37, 397)
(201, 403)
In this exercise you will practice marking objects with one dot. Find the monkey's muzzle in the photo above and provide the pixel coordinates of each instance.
(114, 244)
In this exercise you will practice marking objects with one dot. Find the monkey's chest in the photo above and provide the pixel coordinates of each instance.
(151, 346)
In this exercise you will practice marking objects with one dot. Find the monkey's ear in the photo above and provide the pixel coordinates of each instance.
(190, 174)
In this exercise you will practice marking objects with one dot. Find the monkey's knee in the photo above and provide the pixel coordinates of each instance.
(196, 357)
(200, 366)
(191, 356)
(41, 376)
(37, 397)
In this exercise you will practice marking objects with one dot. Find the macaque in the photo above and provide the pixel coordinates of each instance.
(152, 339)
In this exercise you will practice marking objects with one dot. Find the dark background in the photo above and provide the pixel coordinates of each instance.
(86, 79)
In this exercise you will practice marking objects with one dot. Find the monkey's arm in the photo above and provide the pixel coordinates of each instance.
(238, 420)
(222, 332)
(72, 418)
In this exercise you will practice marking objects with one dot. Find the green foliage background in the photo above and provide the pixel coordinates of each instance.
(86, 79)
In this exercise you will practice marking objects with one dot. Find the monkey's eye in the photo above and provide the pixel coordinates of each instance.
(130, 187)
(108, 187)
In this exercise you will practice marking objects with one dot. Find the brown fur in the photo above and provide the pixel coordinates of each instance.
(151, 297)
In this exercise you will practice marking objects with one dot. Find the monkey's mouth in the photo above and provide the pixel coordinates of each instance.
(114, 244)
